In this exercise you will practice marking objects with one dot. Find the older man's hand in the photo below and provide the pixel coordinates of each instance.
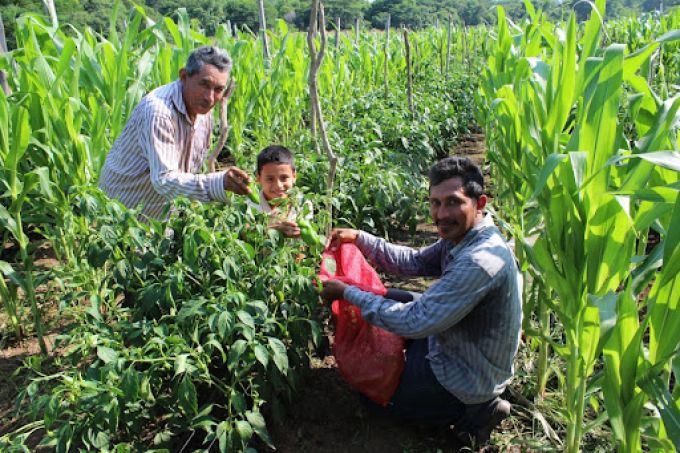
(333, 290)
(236, 180)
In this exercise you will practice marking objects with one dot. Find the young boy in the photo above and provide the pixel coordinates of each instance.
(276, 176)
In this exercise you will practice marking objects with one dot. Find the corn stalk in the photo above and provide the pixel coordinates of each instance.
(3, 49)
(555, 127)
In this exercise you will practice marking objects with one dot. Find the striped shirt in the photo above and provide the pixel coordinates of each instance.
(472, 315)
(159, 154)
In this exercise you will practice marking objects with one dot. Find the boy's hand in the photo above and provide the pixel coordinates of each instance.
(333, 290)
(341, 235)
(287, 228)
(236, 180)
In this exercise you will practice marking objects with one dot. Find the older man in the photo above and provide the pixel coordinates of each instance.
(465, 328)
(159, 154)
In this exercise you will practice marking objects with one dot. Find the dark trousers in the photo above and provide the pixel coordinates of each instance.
(420, 397)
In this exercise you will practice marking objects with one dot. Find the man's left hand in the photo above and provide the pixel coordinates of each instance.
(236, 180)
(333, 290)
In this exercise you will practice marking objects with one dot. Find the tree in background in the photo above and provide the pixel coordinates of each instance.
(208, 14)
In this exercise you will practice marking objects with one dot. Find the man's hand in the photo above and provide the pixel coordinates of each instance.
(341, 235)
(333, 290)
(287, 228)
(236, 180)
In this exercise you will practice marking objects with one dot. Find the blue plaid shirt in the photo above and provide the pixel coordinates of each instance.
(472, 314)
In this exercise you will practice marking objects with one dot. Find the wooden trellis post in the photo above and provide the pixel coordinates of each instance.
(337, 32)
(387, 54)
(409, 86)
(224, 127)
(51, 12)
(263, 31)
(448, 49)
(317, 21)
(356, 29)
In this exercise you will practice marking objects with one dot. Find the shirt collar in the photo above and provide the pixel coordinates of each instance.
(483, 224)
(178, 100)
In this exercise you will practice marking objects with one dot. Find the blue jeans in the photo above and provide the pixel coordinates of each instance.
(420, 397)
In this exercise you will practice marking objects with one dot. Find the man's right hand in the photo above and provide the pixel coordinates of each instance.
(236, 180)
(341, 235)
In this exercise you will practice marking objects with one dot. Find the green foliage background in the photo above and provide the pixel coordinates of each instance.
(411, 13)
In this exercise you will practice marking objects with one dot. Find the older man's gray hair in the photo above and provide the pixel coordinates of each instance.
(207, 55)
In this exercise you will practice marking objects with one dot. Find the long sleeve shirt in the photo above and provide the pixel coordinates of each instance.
(159, 154)
(471, 316)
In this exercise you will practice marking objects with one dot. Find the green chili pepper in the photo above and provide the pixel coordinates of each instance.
(308, 234)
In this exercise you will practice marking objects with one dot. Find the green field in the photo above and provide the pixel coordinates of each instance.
(202, 339)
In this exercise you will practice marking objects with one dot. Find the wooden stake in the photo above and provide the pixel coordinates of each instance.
(317, 20)
(356, 28)
(387, 44)
(448, 49)
(337, 32)
(409, 86)
(464, 53)
(51, 12)
(224, 127)
(263, 31)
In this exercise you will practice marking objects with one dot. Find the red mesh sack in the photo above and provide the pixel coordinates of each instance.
(369, 358)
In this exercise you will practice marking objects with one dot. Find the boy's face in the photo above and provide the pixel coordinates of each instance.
(275, 180)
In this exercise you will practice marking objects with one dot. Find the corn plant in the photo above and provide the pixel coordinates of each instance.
(554, 98)
(18, 186)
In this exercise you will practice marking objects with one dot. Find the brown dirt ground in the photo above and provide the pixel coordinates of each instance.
(326, 415)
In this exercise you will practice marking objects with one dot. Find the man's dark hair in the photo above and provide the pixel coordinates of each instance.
(450, 167)
(275, 154)
(207, 55)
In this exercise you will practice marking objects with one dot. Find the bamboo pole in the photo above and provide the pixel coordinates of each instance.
(386, 51)
(263, 31)
(317, 21)
(409, 85)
